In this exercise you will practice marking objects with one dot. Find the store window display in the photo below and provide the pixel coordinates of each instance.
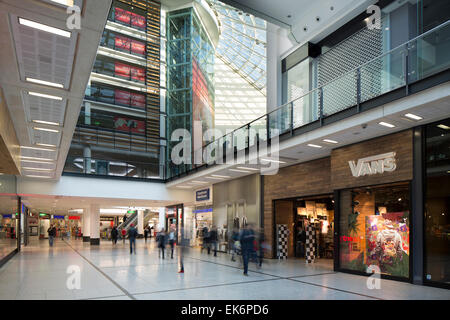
(374, 229)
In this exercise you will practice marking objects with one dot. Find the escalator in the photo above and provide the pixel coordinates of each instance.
(133, 219)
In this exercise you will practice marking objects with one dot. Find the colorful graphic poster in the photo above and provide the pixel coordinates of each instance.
(138, 21)
(138, 74)
(122, 70)
(123, 43)
(137, 47)
(201, 100)
(122, 16)
(138, 100)
(129, 125)
(122, 97)
(387, 238)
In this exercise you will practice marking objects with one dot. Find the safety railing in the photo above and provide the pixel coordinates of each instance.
(417, 59)
(116, 168)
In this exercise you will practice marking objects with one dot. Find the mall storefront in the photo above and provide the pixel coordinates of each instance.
(383, 203)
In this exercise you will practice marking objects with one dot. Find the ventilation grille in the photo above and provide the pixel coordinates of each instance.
(43, 109)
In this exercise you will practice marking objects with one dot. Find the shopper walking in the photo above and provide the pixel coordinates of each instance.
(213, 240)
(205, 244)
(161, 240)
(171, 240)
(124, 235)
(132, 234)
(114, 235)
(234, 242)
(247, 237)
(146, 231)
(51, 234)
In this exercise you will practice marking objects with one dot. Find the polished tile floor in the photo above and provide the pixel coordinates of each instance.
(109, 272)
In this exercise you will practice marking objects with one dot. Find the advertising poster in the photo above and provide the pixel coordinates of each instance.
(129, 125)
(138, 47)
(122, 16)
(201, 101)
(137, 20)
(122, 70)
(138, 74)
(122, 97)
(387, 239)
(138, 100)
(122, 43)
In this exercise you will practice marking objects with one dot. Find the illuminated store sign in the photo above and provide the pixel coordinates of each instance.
(373, 165)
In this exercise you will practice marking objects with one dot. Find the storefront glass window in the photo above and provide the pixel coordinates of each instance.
(9, 218)
(437, 205)
(374, 229)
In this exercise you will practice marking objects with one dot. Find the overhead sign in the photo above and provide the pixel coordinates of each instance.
(58, 217)
(202, 195)
(74, 217)
(372, 165)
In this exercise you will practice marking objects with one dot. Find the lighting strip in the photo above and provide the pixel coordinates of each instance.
(243, 171)
(47, 96)
(314, 145)
(385, 124)
(36, 158)
(443, 126)
(330, 141)
(34, 176)
(67, 3)
(214, 178)
(45, 83)
(37, 169)
(33, 148)
(46, 122)
(275, 161)
(246, 168)
(413, 116)
(46, 145)
(45, 129)
(44, 27)
(219, 176)
(32, 161)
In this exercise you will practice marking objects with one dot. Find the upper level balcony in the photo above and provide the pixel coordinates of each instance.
(381, 90)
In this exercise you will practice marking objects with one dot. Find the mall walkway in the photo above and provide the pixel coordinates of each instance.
(40, 272)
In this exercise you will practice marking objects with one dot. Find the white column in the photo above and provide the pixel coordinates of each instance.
(87, 159)
(140, 222)
(95, 224)
(86, 225)
(162, 218)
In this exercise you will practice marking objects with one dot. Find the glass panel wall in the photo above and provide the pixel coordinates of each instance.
(374, 229)
(437, 205)
(9, 218)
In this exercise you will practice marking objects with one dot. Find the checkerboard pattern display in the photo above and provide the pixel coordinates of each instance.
(310, 244)
(282, 242)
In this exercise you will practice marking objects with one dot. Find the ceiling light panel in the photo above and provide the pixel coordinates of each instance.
(413, 116)
(386, 124)
(42, 110)
(45, 137)
(43, 56)
(44, 27)
(39, 153)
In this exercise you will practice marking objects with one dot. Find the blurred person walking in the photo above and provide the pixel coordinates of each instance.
(161, 240)
(246, 238)
(132, 234)
(124, 235)
(205, 244)
(146, 231)
(51, 234)
(114, 235)
(213, 240)
(171, 240)
(234, 242)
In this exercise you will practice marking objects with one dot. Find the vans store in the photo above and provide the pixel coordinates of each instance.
(381, 204)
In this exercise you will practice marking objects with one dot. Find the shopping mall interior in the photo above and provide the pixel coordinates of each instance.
(319, 130)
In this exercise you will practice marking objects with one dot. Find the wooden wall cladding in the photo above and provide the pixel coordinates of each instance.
(306, 179)
(400, 143)
(9, 144)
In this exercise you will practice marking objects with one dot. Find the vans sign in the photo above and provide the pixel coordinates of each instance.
(372, 165)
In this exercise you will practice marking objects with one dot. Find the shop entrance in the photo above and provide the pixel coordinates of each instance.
(300, 212)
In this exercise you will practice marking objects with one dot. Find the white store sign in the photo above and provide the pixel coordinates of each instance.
(381, 163)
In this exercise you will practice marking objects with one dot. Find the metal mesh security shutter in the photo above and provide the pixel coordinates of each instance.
(351, 53)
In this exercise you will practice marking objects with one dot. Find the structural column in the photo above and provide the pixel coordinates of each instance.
(94, 224)
(162, 218)
(86, 225)
(87, 159)
(140, 222)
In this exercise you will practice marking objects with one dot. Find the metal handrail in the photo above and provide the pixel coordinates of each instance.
(334, 80)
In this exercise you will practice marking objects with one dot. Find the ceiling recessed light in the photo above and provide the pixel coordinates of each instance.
(219, 176)
(47, 96)
(36, 158)
(35, 176)
(37, 169)
(46, 122)
(271, 160)
(33, 161)
(247, 168)
(413, 116)
(236, 170)
(314, 145)
(44, 27)
(385, 124)
(45, 129)
(46, 145)
(443, 126)
(33, 148)
(45, 83)
(330, 141)
(214, 178)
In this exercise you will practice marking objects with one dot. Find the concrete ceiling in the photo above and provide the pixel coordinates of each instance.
(29, 52)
